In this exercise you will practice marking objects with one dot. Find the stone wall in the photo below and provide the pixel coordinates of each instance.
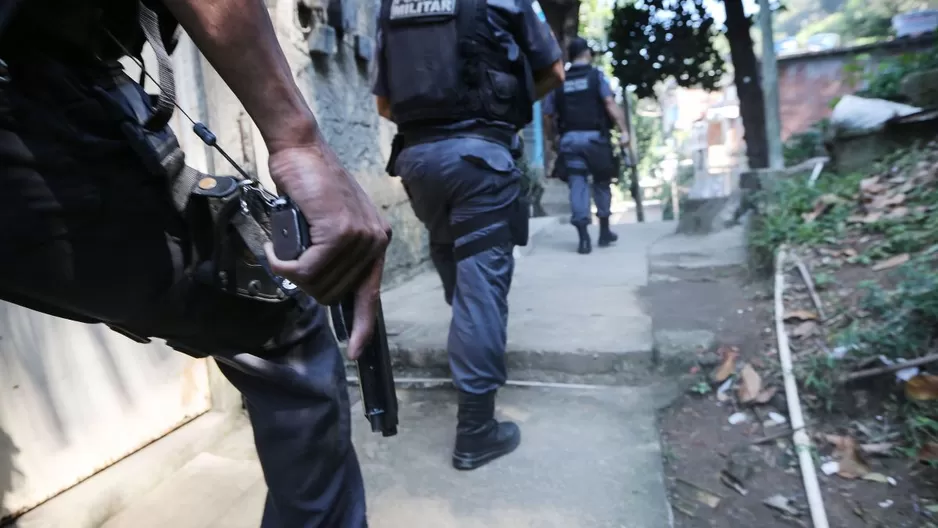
(809, 82)
(337, 86)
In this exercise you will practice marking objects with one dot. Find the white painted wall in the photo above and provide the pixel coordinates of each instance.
(76, 398)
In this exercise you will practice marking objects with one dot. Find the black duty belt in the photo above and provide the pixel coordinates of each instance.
(503, 137)
(412, 137)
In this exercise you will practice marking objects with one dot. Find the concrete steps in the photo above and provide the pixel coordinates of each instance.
(573, 318)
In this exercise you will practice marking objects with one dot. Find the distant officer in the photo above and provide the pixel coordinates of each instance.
(583, 111)
(459, 78)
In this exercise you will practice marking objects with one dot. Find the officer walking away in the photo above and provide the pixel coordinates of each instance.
(459, 78)
(92, 232)
(583, 111)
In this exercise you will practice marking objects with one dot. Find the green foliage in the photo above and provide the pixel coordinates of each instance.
(783, 204)
(654, 40)
(685, 176)
(820, 377)
(648, 138)
(885, 79)
(701, 387)
(805, 145)
(920, 425)
(531, 185)
(896, 315)
(853, 20)
(906, 317)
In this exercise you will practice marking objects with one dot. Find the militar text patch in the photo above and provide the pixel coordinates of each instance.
(410, 9)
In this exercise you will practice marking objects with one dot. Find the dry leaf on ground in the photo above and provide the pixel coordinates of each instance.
(897, 213)
(891, 262)
(766, 395)
(923, 387)
(928, 452)
(847, 452)
(750, 384)
(805, 329)
(782, 504)
(896, 199)
(883, 448)
(801, 315)
(821, 205)
(879, 477)
(865, 219)
(871, 185)
(727, 366)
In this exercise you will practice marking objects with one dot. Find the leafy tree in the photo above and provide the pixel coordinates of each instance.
(653, 40)
(851, 19)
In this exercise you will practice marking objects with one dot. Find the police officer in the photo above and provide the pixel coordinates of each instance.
(89, 231)
(459, 78)
(583, 110)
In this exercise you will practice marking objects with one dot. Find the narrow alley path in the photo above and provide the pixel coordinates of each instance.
(581, 352)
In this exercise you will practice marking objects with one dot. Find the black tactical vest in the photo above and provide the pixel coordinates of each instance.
(578, 102)
(78, 27)
(443, 66)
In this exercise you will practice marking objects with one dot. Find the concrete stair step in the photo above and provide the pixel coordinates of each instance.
(572, 318)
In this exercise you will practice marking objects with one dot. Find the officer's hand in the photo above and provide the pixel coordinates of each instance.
(624, 140)
(348, 237)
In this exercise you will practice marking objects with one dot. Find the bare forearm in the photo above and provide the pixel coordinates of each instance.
(238, 39)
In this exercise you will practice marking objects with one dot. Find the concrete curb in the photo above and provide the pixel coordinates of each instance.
(604, 368)
(95, 500)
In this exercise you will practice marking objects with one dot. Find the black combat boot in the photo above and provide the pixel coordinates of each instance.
(585, 245)
(606, 236)
(481, 439)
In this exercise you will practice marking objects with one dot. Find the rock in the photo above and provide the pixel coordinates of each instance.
(921, 88)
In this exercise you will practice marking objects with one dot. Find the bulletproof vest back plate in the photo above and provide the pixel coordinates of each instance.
(442, 66)
(421, 50)
(579, 104)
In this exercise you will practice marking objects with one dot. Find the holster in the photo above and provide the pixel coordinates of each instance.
(230, 264)
(603, 162)
(520, 211)
(227, 234)
(560, 168)
(397, 146)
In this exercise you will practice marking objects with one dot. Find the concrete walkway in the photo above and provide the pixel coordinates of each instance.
(590, 455)
(576, 318)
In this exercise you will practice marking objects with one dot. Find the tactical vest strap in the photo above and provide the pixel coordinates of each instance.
(163, 111)
(236, 260)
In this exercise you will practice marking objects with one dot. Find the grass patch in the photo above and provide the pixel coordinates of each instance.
(873, 238)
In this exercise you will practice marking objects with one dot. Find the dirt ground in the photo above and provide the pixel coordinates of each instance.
(701, 447)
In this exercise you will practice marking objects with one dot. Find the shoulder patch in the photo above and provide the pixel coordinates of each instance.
(411, 9)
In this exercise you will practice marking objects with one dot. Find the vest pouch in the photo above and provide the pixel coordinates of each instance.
(602, 161)
(501, 92)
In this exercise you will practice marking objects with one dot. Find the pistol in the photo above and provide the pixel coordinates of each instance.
(290, 236)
